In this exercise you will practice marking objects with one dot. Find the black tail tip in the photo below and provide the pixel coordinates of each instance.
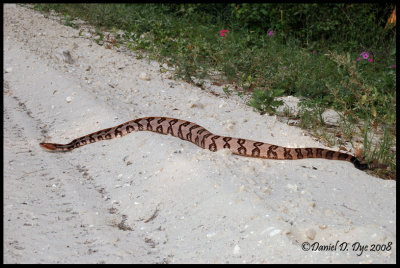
(357, 163)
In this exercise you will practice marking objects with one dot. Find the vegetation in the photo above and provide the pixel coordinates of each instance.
(337, 56)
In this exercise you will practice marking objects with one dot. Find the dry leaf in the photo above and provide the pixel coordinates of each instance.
(358, 152)
(375, 125)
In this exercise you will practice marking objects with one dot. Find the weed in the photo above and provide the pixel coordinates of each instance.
(264, 100)
(226, 90)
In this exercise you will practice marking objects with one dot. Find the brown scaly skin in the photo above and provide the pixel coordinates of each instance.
(200, 136)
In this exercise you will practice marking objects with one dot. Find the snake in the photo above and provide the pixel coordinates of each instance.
(203, 138)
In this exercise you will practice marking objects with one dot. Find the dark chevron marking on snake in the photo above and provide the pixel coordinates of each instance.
(226, 140)
(207, 140)
(213, 146)
(256, 151)
(241, 150)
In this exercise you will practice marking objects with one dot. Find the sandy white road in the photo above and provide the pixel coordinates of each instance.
(149, 198)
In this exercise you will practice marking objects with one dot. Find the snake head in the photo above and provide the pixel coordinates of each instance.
(48, 146)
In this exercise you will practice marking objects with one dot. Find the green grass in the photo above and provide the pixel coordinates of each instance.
(323, 74)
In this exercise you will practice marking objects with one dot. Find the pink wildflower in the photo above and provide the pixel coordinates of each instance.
(370, 60)
(271, 33)
(223, 32)
(365, 55)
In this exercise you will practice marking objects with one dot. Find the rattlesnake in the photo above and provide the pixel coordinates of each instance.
(200, 136)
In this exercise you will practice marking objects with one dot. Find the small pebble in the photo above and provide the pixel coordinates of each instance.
(310, 233)
(274, 232)
(167, 76)
(144, 76)
(211, 234)
(236, 249)
(323, 227)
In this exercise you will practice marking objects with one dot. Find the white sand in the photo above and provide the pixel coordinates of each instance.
(149, 198)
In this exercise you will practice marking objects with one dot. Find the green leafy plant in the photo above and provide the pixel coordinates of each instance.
(226, 90)
(264, 100)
